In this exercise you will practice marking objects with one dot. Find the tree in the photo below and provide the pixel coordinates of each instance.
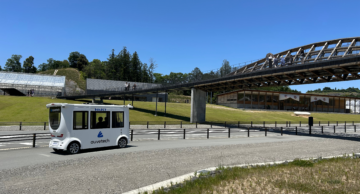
(65, 64)
(33, 69)
(145, 73)
(43, 67)
(13, 64)
(151, 69)
(82, 62)
(135, 67)
(28, 64)
(124, 65)
(73, 59)
(225, 68)
(0, 68)
(196, 74)
(94, 70)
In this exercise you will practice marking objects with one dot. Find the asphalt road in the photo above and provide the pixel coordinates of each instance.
(39, 170)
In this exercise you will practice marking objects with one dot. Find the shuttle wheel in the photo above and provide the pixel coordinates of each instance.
(73, 148)
(122, 143)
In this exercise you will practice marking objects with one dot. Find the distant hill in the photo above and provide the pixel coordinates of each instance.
(75, 83)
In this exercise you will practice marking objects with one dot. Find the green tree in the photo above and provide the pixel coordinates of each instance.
(28, 64)
(13, 64)
(145, 73)
(82, 62)
(135, 68)
(33, 69)
(73, 59)
(94, 69)
(124, 65)
(151, 69)
(65, 64)
(225, 68)
(43, 67)
(0, 68)
(196, 74)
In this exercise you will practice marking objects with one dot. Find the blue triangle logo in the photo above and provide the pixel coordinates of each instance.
(100, 134)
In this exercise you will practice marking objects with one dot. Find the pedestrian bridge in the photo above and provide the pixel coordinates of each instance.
(327, 61)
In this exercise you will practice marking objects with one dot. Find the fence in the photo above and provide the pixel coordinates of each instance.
(183, 133)
(28, 126)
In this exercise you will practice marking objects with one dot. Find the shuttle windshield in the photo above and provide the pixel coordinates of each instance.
(54, 118)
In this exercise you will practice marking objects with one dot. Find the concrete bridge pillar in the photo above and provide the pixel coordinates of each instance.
(198, 106)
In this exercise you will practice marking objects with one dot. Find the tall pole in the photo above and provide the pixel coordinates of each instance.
(211, 98)
(156, 103)
(165, 101)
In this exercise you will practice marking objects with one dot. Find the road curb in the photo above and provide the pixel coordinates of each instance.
(188, 176)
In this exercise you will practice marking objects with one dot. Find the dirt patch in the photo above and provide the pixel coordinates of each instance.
(221, 107)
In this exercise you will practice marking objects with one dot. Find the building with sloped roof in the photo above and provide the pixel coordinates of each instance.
(19, 84)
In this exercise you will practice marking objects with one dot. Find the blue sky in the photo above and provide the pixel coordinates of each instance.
(178, 35)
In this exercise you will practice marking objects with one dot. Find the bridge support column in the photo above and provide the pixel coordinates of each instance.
(198, 106)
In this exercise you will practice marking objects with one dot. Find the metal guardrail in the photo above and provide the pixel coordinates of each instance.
(224, 124)
(134, 132)
(24, 137)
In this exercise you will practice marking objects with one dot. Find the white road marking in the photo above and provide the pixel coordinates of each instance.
(44, 155)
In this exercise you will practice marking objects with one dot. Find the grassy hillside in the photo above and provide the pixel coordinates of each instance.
(32, 109)
(71, 74)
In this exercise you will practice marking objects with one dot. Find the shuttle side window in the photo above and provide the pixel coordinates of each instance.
(117, 119)
(55, 117)
(80, 120)
(100, 120)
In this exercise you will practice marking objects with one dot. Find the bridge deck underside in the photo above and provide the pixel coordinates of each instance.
(307, 74)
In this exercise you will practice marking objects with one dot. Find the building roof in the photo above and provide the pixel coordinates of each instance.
(31, 79)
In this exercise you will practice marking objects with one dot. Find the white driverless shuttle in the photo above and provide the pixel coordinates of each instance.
(82, 126)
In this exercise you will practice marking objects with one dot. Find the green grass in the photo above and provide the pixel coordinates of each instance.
(337, 175)
(32, 109)
(71, 74)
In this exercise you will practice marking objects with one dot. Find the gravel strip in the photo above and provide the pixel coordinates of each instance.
(123, 172)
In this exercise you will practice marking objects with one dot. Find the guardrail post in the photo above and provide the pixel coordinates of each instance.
(196, 124)
(345, 123)
(295, 130)
(248, 132)
(265, 131)
(132, 135)
(334, 128)
(184, 133)
(289, 123)
(208, 133)
(164, 124)
(229, 132)
(180, 124)
(147, 125)
(158, 134)
(309, 130)
(44, 126)
(34, 139)
(20, 125)
(322, 129)
(238, 124)
(328, 123)
(281, 131)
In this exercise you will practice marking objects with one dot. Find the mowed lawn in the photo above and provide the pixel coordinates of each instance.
(32, 109)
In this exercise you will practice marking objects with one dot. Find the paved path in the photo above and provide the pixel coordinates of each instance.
(39, 170)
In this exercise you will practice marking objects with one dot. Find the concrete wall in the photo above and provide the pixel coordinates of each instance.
(198, 106)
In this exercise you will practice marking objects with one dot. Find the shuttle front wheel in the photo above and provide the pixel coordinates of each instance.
(122, 143)
(73, 148)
